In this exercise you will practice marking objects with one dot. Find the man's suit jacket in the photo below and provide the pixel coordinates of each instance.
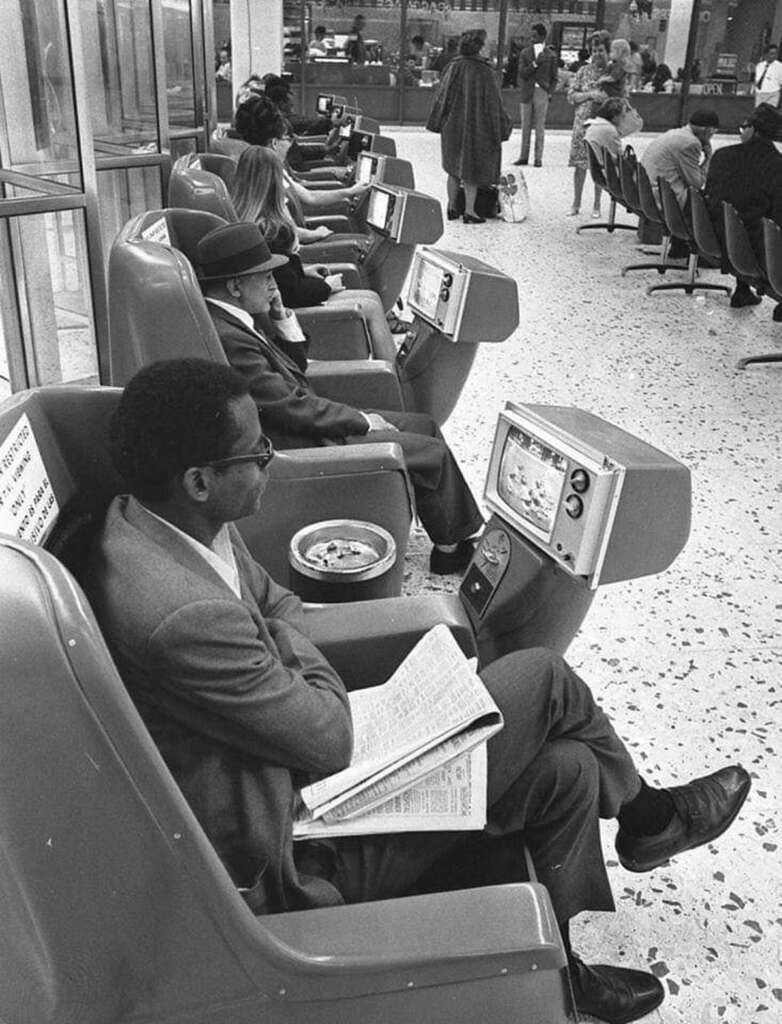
(544, 75)
(749, 176)
(291, 413)
(242, 706)
(676, 156)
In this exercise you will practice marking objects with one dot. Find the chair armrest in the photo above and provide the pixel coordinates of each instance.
(363, 383)
(350, 248)
(306, 485)
(338, 222)
(336, 332)
(351, 275)
(365, 641)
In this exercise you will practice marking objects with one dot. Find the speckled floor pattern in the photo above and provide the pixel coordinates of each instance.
(687, 662)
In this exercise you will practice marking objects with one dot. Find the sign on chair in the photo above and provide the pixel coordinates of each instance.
(28, 507)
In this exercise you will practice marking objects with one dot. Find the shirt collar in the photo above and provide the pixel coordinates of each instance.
(219, 557)
(242, 315)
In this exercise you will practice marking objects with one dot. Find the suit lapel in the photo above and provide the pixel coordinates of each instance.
(277, 357)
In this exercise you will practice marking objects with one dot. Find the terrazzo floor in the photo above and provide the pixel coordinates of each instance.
(686, 662)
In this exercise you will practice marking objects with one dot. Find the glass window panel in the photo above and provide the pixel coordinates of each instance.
(178, 44)
(360, 46)
(50, 257)
(37, 91)
(123, 194)
(119, 66)
(433, 38)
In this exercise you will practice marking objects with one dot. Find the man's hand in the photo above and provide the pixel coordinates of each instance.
(321, 231)
(277, 309)
(357, 190)
(376, 422)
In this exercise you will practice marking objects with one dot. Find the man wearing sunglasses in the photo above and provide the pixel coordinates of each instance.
(245, 709)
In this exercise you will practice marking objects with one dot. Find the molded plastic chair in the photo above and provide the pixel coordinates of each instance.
(706, 239)
(772, 241)
(116, 909)
(647, 202)
(597, 173)
(739, 250)
(676, 222)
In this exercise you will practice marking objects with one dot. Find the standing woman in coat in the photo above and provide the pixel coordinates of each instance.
(472, 123)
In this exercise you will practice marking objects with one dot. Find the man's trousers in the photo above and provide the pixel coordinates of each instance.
(555, 768)
(533, 114)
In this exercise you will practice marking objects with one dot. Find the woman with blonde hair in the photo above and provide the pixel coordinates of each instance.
(259, 195)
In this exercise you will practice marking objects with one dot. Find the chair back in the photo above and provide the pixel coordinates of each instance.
(772, 241)
(648, 200)
(222, 143)
(706, 239)
(156, 309)
(595, 164)
(192, 187)
(223, 166)
(673, 213)
(739, 249)
(613, 181)
(628, 176)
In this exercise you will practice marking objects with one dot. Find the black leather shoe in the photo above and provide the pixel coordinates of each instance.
(520, 163)
(744, 297)
(452, 214)
(704, 809)
(473, 218)
(538, 163)
(614, 994)
(446, 563)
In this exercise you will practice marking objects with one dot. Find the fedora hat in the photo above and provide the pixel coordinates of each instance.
(234, 250)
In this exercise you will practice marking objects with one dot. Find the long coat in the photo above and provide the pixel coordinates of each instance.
(471, 120)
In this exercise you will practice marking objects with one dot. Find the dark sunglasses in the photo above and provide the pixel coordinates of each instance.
(262, 458)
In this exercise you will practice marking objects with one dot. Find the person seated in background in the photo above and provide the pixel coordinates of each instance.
(260, 123)
(235, 271)
(446, 55)
(245, 710)
(317, 47)
(749, 177)
(355, 47)
(223, 65)
(661, 80)
(419, 52)
(258, 194)
(603, 128)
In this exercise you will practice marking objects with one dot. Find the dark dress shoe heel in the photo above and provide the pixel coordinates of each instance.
(520, 163)
(705, 808)
(617, 995)
(472, 218)
(446, 563)
(744, 297)
(538, 163)
(452, 214)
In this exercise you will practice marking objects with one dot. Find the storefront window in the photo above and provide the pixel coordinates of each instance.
(178, 48)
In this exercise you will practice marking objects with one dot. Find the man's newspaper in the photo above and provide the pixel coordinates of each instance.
(419, 760)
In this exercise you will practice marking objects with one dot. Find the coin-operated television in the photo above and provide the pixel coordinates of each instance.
(326, 102)
(359, 142)
(463, 297)
(603, 504)
(385, 170)
(403, 215)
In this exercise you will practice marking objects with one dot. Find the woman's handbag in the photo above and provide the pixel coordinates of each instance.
(630, 122)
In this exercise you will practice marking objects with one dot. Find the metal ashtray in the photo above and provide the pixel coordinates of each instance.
(342, 551)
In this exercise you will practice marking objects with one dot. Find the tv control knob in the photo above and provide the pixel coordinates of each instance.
(444, 294)
(447, 280)
(574, 506)
(579, 480)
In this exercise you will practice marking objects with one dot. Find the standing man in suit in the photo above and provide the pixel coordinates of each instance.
(235, 269)
(538, 69)
(245, 710)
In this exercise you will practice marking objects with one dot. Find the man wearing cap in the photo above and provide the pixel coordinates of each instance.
(235, 270)
(681, 156)
(749, 177)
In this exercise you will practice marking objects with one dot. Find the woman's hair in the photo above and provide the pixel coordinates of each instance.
(611, 108)
(620, 50)
(258, 121)
(472, 41)
(602, 37)
(661, 75)
(258, 194)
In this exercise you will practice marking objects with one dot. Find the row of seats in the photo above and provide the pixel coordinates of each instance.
(628, 185)
(115, 907)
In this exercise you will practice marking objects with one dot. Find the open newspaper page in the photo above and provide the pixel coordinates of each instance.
(451, 798)
(434, 696)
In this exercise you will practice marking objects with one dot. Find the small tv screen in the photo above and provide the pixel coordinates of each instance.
(359, 142)
(345, 130)
(323, 105)
(366, 168)
(381, 209)
(424, 294)
(338, 110)
(531, 479)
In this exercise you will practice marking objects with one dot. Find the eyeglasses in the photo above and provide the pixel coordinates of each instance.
(262, 458)
(744, 124)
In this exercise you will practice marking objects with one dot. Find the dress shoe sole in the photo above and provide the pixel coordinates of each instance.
(640, 866)
(616, 995)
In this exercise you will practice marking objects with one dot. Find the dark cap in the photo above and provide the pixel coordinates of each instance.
(767, 120)
(704, 119)
(234, 250)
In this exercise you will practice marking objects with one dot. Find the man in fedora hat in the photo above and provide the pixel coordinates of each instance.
(235, 270)
(749, 177)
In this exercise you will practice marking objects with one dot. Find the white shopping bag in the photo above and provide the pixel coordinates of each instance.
(514, 196)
